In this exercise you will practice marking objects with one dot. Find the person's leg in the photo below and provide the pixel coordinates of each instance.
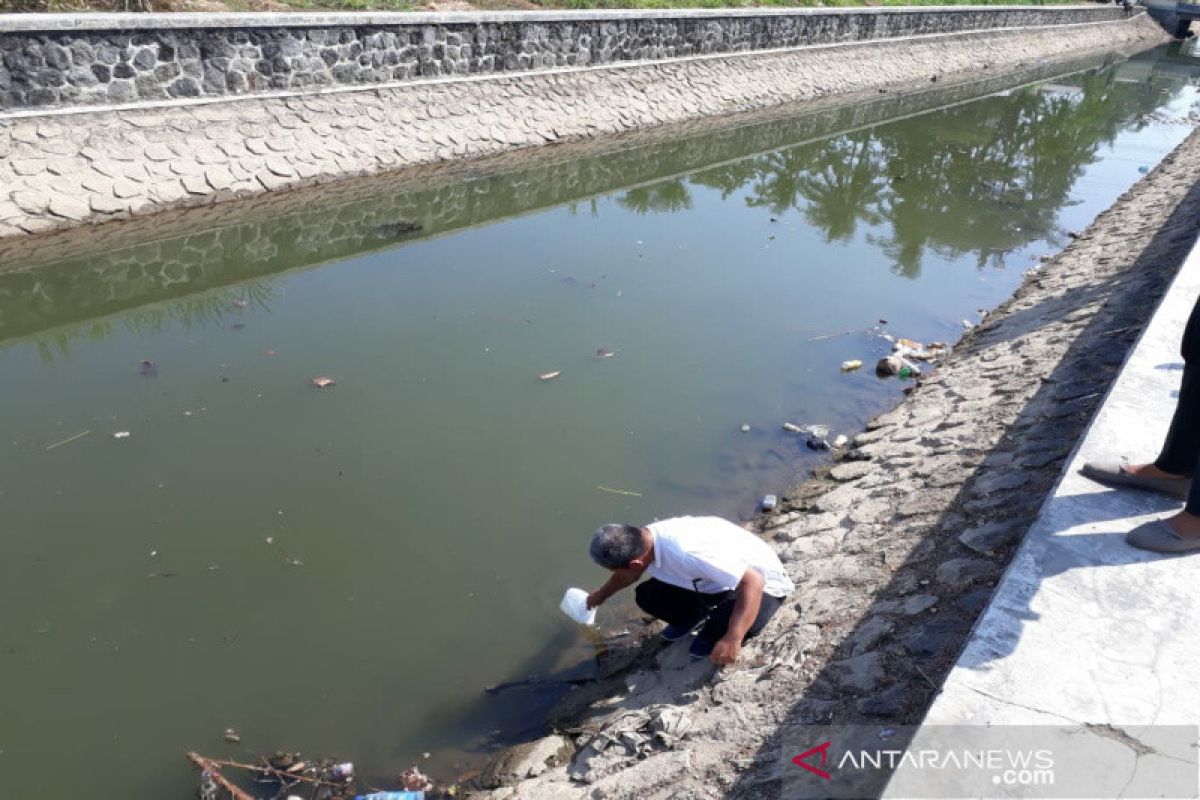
(718, 621)
(1181, 449)
(683, 608)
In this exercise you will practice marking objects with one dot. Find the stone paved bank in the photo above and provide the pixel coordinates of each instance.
(897, 546)
(58, 170)
(51, 60)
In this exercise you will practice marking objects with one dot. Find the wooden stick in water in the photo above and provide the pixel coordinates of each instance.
(619, 491)
(209, 766)
(68, 439)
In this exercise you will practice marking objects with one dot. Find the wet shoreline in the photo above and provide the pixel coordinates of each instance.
(897, 544)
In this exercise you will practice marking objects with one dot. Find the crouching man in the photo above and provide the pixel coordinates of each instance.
(705, 573)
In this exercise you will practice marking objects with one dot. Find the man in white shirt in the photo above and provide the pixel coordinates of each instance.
(705, 572)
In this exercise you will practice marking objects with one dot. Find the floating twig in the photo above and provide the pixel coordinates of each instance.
(209, 767)
(625, 492)
(264, 768)
(68, 440)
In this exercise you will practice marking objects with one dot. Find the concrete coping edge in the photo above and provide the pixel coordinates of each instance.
(105, 21)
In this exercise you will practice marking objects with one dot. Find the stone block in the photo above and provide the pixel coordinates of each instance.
(32, 201)
(158, 152)
(121, 91)
(106, 204)
(69, 207)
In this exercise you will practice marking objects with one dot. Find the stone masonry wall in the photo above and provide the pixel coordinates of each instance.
(56, 172)
(117, 59)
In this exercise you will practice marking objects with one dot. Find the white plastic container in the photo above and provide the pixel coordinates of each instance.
(574, 605)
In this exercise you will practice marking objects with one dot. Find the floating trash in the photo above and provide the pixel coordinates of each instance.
(121, 435)
(148, 368)
(323, 382)
(851, 365)
(549, 376)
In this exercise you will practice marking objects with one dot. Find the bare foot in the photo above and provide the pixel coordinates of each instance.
(1150, 471)
(1185, 524)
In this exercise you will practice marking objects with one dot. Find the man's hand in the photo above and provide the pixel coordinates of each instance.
(596, 598)
(725, 651)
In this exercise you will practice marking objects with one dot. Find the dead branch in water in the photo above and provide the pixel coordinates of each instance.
(209, 766)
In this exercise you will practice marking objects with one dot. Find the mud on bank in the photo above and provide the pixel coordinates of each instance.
(896, 546)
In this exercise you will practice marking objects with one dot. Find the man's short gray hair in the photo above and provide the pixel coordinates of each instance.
(614, 545)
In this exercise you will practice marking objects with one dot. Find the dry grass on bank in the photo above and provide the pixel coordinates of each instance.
(459, 5)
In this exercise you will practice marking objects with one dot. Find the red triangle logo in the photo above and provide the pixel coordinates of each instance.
(802, 759)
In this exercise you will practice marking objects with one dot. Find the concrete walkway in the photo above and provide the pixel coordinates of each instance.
(1084, 629)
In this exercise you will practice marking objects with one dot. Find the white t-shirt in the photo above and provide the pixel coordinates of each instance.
(710, 555)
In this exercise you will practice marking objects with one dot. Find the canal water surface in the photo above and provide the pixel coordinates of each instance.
(341, 571)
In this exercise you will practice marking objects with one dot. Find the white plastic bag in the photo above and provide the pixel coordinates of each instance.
(574, 605)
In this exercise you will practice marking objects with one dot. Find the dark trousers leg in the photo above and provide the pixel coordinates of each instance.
(1181, 450)
(718, 621)
(673, 605)
(687, 608)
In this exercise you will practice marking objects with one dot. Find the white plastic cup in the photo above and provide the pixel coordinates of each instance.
(574, 605)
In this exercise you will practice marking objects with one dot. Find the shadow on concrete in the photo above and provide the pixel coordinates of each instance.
(1046, 420)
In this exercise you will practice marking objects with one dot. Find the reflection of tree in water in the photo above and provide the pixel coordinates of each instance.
(985, 178)
(213, 309)
(669, 195)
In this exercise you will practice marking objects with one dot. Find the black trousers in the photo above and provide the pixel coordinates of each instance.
(1181, 451)
(686, 608)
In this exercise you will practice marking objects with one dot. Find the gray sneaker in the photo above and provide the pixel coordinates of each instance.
(1114, 474)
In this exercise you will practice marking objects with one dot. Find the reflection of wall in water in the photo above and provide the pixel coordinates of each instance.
(213, 247)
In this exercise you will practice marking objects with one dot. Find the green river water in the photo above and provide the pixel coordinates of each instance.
(342, 571)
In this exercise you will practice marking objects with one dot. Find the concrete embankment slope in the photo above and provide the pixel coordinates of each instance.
(896, 550)
(1084, 631)
(111, 116)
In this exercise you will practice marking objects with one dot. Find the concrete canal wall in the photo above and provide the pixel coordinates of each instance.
(212, 107)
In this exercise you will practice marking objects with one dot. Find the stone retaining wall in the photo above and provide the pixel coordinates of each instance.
(59, 170)
(52, 60)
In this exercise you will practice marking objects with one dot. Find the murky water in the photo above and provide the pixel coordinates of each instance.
(342, 571)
